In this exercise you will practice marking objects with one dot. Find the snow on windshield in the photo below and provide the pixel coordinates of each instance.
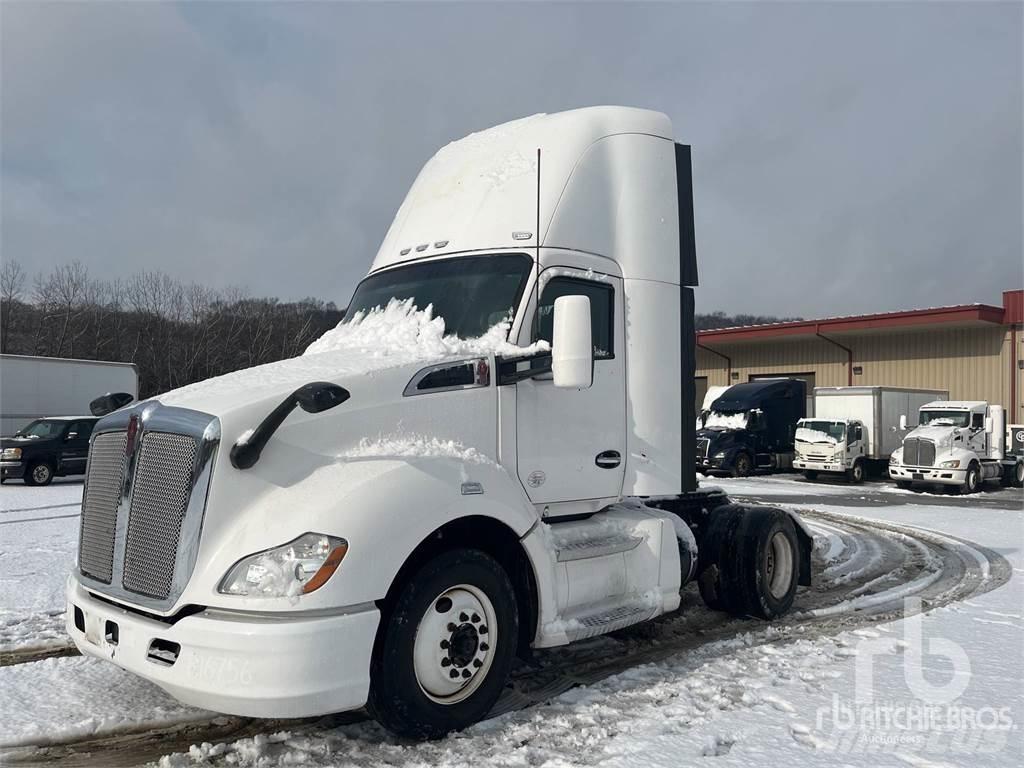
(720, 420)
(805, 435)
(398, 334)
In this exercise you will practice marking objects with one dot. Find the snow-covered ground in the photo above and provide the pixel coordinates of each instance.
(939, 688)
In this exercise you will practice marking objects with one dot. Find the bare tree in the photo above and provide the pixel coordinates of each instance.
(12, 283)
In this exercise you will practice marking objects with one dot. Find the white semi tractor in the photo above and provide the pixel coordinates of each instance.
(855, 429)
(493, 454)
(959, 444)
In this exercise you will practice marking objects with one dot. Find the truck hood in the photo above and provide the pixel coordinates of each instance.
(938, 435)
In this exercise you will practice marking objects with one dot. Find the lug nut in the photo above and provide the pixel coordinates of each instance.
(451, 627)
(453, 674)
(444, 644)
(476, 619)
(463, 617)
(477, 663)
(446, 662)
(483, 629)
(465, 673)
(484, 646)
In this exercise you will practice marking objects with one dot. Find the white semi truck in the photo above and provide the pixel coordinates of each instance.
(493, 454)
(959, 444)
(855, 428)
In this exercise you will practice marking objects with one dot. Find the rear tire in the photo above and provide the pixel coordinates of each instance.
(445, 649)
(811, 474)
(39, 473)
(750, 562)
(743, 465)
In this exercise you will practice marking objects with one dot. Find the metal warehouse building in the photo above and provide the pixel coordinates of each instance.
(976, 351)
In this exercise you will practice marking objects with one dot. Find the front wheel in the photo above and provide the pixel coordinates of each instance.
(856, 473)
(972, 480)
(39, 473)
(743, 466)
(811, 474)
(446, 648)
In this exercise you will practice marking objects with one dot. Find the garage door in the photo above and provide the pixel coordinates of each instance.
(807, 378)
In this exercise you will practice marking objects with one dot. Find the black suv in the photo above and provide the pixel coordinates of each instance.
(47, 448)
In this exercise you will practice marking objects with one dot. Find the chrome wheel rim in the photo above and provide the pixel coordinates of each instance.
(41, 473)
(455, 643)
(779, 568)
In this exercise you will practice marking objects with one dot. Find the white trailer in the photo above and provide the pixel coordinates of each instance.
(37, 387)
(854, 427)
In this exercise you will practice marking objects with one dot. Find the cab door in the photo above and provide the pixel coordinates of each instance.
(74, 448)
(571, 443)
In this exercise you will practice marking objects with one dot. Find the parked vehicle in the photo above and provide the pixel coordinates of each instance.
(42, 387)
(57, 446)
(390, 518)
(855, 429)
(959, 444)
(751, 426)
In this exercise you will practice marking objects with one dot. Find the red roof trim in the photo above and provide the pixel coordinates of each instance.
(915, 317)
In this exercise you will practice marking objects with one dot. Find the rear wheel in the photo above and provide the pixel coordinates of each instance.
(1014, 476)
(743, 466)
(751, 562)
(446, 648)
(811, 474)
(39, 473)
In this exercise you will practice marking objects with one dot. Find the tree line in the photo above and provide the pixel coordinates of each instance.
(176, 333)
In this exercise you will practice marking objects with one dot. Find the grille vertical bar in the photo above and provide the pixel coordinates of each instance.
(926, 453)
(910, 450)
(163, 486)
(99, 506)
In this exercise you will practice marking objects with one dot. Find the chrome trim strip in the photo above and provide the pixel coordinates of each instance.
(412, 388)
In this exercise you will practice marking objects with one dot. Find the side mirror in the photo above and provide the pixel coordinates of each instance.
(903, 422)
(70, 436)
(109, 403)
(572, 349)
(988, 424)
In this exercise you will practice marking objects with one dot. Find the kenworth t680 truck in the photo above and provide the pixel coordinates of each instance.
(493, 454)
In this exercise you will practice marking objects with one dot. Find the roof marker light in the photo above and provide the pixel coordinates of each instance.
(421, 248)
(522, 235)
(440, 243)
(404, 252)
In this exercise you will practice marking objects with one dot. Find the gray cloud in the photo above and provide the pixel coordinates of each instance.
(847, 157)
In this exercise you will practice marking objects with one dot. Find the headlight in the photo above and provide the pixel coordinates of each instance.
(719, 455)
(893, 459)
(11, 454)
(296, 568)
(838, 456)
(950, 464)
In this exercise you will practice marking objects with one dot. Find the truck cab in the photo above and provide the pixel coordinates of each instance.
(831, 445)
(751, 427)
(958, 444)
(490, 456)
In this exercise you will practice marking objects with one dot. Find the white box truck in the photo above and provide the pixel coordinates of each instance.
(493, 453)
(855, 429)
(41, 387)
(958, 444)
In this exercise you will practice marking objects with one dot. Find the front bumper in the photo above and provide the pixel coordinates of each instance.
(12, 470)
(256, 665)
(928, 475)
(819, 466)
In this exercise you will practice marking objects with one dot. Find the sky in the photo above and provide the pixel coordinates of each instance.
(848, 157)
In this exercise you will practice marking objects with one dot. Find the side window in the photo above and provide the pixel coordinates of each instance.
(977, 421)
(81, 429)
(602, 312)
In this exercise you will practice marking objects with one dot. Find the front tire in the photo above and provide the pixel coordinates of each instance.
(811, 474)
(856, 473)
(743, 466)
(39, 473)
(446, 646)
(972, 480)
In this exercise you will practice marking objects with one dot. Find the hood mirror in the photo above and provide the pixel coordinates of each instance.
(320, 396)
(109, 403)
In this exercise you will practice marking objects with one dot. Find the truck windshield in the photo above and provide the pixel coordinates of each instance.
(723, 420)
(41, 428)
(471, 293)
(945, 418)
(818, 431)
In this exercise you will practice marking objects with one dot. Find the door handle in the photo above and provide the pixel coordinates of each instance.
(608, 459)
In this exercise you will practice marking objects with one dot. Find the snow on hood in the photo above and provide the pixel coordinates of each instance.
(939, 435)
(805, 435)
(397, 335)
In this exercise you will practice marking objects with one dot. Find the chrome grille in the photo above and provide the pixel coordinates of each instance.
(163, 487)
(99, 505)
(702, 447)
(918, 452)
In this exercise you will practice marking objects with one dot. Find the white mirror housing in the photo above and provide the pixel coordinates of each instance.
(572, 349)
(988, 424)
(903, 422)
